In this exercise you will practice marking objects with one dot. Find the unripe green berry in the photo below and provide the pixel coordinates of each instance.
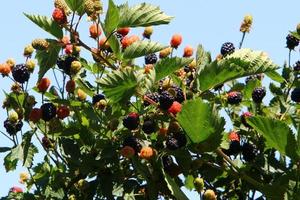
(28, 50)
(199, 184)
(209, 195)
(75, 67)
(13, 117)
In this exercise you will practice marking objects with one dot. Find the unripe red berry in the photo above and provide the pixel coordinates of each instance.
(69, 49)
(127, 152)
(44, 84)
(16, 189)
(5, 69)
(175, 108)
(70, 86)
(95, 31)
(129, 40)
(233, 136)
(59, 16)
(188, 51)
(35, 115)
(176, 41)
(62, 112)
(147, 153)
(123, 31)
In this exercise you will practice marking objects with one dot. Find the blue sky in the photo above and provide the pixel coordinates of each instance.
(210, 23)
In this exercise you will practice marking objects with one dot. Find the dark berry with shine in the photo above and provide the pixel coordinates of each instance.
(175, 141)
(295, 96)
(20, 73)
(166, 100)
(179, 96)
(153, 96)
(258, 94)
(149, 126)
(249, 152)
(234, 97)
(48, 111)
(64, 63)
(150, 59)
(133, 142)
(291, 42)
(19, 126)
(10, 127)
(131, 121)
(297, 66)
(227, 48)
(234, 147)
(97, 98)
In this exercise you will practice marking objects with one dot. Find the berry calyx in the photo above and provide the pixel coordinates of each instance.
(147, 153)
(59, 16)
(131, 121)
(234, 97)
(227, 48)
(258, 94)
(35, 115)
(63, 112)
(175, 108)
(95, 31)
(48, 111)
(176, 40)
(44, 84)
(188, 51)
(127, 152)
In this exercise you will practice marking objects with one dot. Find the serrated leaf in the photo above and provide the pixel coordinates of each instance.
(10, 163)
(85, 87)
(113, 41)
(47, 59)
(167, 66)
(202, 57)
(278, 135)
(174, 188)
(241, 63)
(112, 17)
(119, 86)
(46, 24)
(142, 15)
(275, 76)
(142, 48)
(199, 120)
(28, 149)
(76, 6)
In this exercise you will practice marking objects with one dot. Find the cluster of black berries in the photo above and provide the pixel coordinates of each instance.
(131, 121)
(133, 142)
(48, 111)
(13, 127)
(20, 73)
(64, 63)
(258, 94)
(248, 150)
(150, 59)
(234, 97)
(153, 96)
(175, 141)
(291, 42)
(227, 48)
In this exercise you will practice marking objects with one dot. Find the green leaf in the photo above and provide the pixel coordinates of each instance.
(10, 163)
(47, 59)
(76, 6)
(119, 86)
(85, 87)
(142, 48)
(241, 63)
(167, 66)
(113, 41)
(47, 24)
(275, 76)
(278, 135)
(142, 15)
(174, 188)
(189, 182)
(199, 120)
(28, 149)
(202, 57)
(112, 17)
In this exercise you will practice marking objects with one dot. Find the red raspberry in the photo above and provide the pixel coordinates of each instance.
(43, 85)
(175, 108)
(63, 112)
(123, 31)
(188, 51)
(35, 115)
(59, 16)
(69, 49)
(70, 86)
(127, 152)
(233, 136)
(129, 40)
(95, 31)
(176, 41)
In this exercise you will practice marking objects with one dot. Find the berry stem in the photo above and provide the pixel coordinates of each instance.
(8, 137)
(242, 40)
(56, 80)
(289, 58)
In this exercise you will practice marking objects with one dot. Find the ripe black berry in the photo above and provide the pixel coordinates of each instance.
(20, 73)
(179, 96)
(48, 111)
(249, 152)
(131, 121)
(165, 100)
(149, 126)
(291, 42)
(97, 98)
(234, 147)
(9, 126)
(19, 126)
(170, 167)
(297, 66)
(150, 59)
(64, 63)
(295, 96)
(227, 48)
(175, 141)
(153, 96)
(132, 142)
(258, 94)
(234, 97)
